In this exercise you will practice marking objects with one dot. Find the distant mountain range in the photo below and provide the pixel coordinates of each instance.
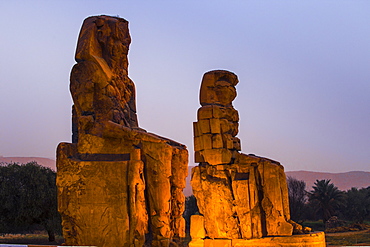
(24, 160)
(344, 180)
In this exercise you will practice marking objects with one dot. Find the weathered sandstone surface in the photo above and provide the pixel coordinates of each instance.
(239, 196)
(118, 185)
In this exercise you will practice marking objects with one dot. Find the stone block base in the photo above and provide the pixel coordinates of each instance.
(305, 240)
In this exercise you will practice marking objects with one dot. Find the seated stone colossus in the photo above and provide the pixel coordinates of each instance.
(118, 185)
(241, 198)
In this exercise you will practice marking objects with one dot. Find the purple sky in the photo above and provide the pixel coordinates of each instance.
(303, 67)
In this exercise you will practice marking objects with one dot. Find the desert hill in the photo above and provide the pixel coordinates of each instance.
(344, 181)
(23, 160)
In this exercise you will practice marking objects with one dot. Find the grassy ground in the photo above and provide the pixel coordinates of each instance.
(317, 226)
(360, 238)
(351, 238)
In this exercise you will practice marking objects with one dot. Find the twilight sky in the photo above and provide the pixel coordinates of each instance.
(303, 66)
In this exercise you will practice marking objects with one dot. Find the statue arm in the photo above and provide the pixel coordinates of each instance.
(111, 129)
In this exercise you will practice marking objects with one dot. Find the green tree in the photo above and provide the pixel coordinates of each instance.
(29, 194)
(357, 205)
(326, 198)
(297, 198)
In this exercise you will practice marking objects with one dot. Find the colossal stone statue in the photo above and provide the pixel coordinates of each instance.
(118, 185)
(240, 197)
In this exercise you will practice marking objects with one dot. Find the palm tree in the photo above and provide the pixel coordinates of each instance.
(326, 198)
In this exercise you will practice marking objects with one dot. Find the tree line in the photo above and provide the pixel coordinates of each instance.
(28, 197)
(325, 200)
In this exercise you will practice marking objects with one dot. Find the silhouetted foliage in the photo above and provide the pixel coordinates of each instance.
(325, 198)
(297, 198)
(191, 208)
(28, 197)
(357, 205)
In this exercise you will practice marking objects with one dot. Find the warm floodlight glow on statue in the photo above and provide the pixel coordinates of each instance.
(118, 185)
(239, 196)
